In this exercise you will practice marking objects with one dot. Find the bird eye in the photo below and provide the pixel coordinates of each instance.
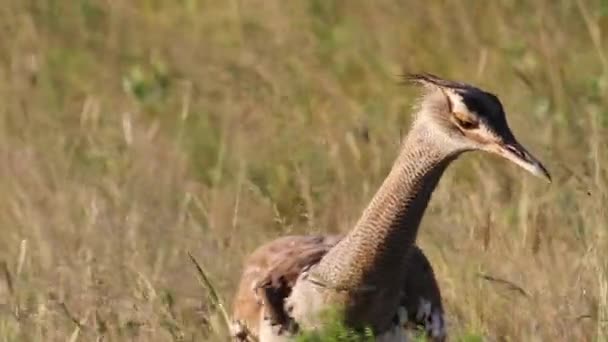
(465, 121)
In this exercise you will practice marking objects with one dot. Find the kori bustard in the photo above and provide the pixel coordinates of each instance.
(375, 274)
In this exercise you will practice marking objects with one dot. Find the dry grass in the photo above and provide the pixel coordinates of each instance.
(132, 132)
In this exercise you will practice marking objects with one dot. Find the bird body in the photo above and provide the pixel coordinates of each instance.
(274, 268)
(376, 275)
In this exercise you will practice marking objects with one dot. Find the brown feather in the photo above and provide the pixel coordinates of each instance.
(271, 271)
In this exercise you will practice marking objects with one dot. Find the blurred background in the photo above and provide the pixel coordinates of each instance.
(132, 132)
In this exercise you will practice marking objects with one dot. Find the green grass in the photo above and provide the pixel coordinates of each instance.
(335, 331)
(132, 132)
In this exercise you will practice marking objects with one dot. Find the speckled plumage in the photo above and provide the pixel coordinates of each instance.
(373, 254)
(272, 270)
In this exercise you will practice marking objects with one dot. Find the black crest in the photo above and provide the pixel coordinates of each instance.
(485, 104)
(426, 79)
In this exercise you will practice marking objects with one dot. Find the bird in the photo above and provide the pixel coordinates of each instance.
(376, 274)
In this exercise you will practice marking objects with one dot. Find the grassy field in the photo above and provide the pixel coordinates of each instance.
(132, 132)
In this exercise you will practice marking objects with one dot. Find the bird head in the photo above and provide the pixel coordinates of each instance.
(468, 119)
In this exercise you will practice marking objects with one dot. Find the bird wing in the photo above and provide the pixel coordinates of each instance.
(269, 274)
(271, 271)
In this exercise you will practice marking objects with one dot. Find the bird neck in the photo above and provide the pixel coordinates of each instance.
(373, 253)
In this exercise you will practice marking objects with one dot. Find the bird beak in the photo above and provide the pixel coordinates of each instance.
(517, 154)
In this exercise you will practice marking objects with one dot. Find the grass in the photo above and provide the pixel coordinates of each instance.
(132, 132)
(335, 331)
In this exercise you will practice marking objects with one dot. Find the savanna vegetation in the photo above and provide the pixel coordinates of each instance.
(134, 132)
